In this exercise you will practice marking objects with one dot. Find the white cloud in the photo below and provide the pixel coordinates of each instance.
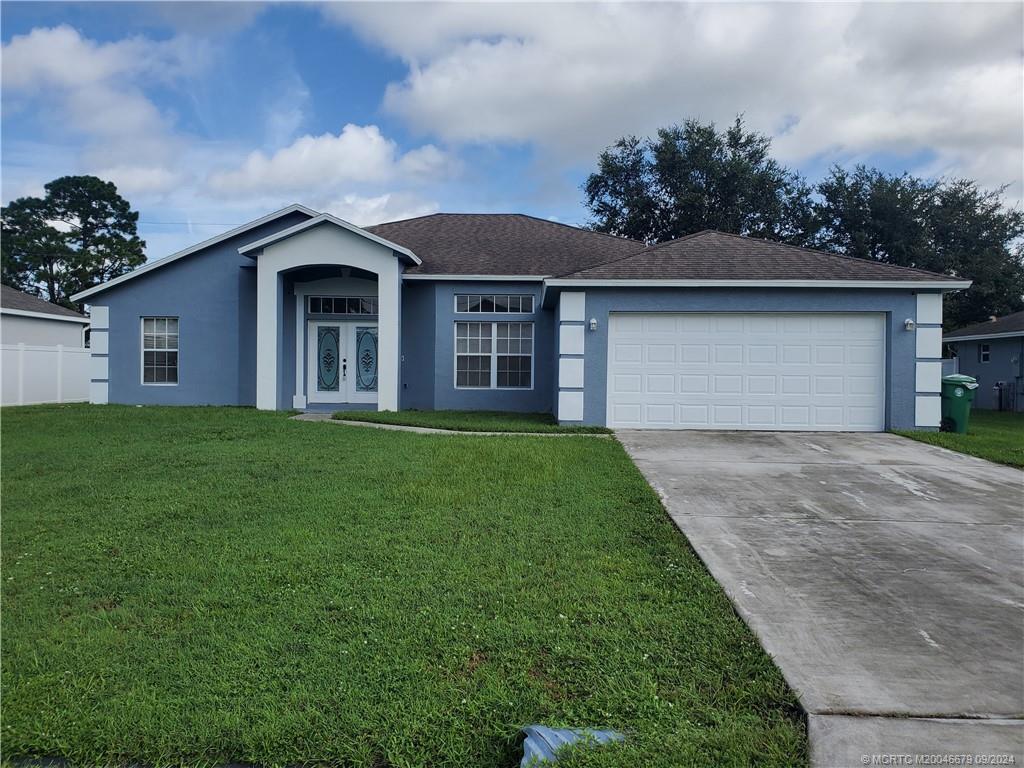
(356, 155)
(846, 80)
(93, 90)
(364, 211)
(142, 179)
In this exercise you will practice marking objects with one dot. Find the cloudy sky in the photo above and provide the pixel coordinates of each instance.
(207, 115)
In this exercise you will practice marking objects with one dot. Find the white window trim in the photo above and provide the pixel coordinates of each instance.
(143, 351)
(494, 356)
(309, 301)
(533, 299)
(984, 353)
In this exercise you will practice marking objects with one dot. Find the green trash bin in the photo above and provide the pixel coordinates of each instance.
(957, 395)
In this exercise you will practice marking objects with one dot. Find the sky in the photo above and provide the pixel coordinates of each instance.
(208, 115)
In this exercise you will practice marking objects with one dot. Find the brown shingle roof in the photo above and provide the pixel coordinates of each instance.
(1006, 324)
(11, 298)
(712, 255)
(501, 244)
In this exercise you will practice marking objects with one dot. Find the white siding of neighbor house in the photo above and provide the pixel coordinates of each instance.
(38, 331)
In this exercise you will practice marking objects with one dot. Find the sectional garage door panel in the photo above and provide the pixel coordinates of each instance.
(747, 371)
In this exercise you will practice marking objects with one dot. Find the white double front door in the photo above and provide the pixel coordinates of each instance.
(341, 362)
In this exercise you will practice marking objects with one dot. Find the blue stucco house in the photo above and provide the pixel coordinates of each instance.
(993, 353)
(300, 309)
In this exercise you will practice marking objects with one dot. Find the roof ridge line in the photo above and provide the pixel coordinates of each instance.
(619, 238)
(643, 250)
(820, 252)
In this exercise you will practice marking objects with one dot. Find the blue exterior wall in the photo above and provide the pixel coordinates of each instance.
(418, 339)
(213, 293)
(898, 305)
(1006, 364)
(428, 347)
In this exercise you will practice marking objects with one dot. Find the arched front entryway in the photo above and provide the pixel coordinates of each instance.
(322, 243)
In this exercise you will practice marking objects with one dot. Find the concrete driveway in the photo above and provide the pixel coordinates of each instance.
(885, 576)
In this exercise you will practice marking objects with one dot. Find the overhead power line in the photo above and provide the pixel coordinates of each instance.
(191, 223)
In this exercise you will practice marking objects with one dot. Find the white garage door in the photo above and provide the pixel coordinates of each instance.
(747, 371)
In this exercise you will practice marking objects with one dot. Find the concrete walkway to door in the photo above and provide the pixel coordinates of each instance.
(885, 576)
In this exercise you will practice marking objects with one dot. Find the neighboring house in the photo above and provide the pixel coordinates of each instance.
(26, 319)
(993, 353)
(44, 359)
(300, 309)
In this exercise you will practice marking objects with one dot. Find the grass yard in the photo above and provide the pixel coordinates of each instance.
(195, 586)
(990, 435)
(470, 421)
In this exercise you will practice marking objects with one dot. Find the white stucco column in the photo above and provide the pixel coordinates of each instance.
(326, 245)
(389, 306)
(268, 331)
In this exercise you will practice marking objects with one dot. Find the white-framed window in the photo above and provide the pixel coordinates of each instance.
(497, 303)
(342, 305)
(493, 355)
(984, 353)
(160, 350)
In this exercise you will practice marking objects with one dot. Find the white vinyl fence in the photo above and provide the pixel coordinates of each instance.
(33, 374)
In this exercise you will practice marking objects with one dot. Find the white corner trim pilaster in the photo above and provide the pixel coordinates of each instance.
(99, 370)
(99, 355)
(928, 368)
(570, 373)
(98, 392)
(572, 307)
(99, 342)
(572, 316)
(570, 406)
(928, 376)
(927, 410)
(99, 318)
(929, 309)
(570, 339)
(929, 343)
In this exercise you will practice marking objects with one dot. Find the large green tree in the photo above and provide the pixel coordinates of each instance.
(949, 225)
(82, 232)
(692, 177)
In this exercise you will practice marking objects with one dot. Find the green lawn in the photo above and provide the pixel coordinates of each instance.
(990, 435)
(469, 421)
(195, 586)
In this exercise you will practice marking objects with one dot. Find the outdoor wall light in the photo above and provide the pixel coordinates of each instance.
(908, 324)
(593, 323)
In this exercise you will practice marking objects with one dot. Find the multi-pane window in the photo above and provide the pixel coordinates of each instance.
(473, 352)
(984, 353)
(494, 355)
(497, 303)
(343, 305)
(159, 350)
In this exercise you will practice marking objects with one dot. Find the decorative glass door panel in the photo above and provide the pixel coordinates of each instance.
(327, 368)
(328, 353)
(341, 362)
(366, 359)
